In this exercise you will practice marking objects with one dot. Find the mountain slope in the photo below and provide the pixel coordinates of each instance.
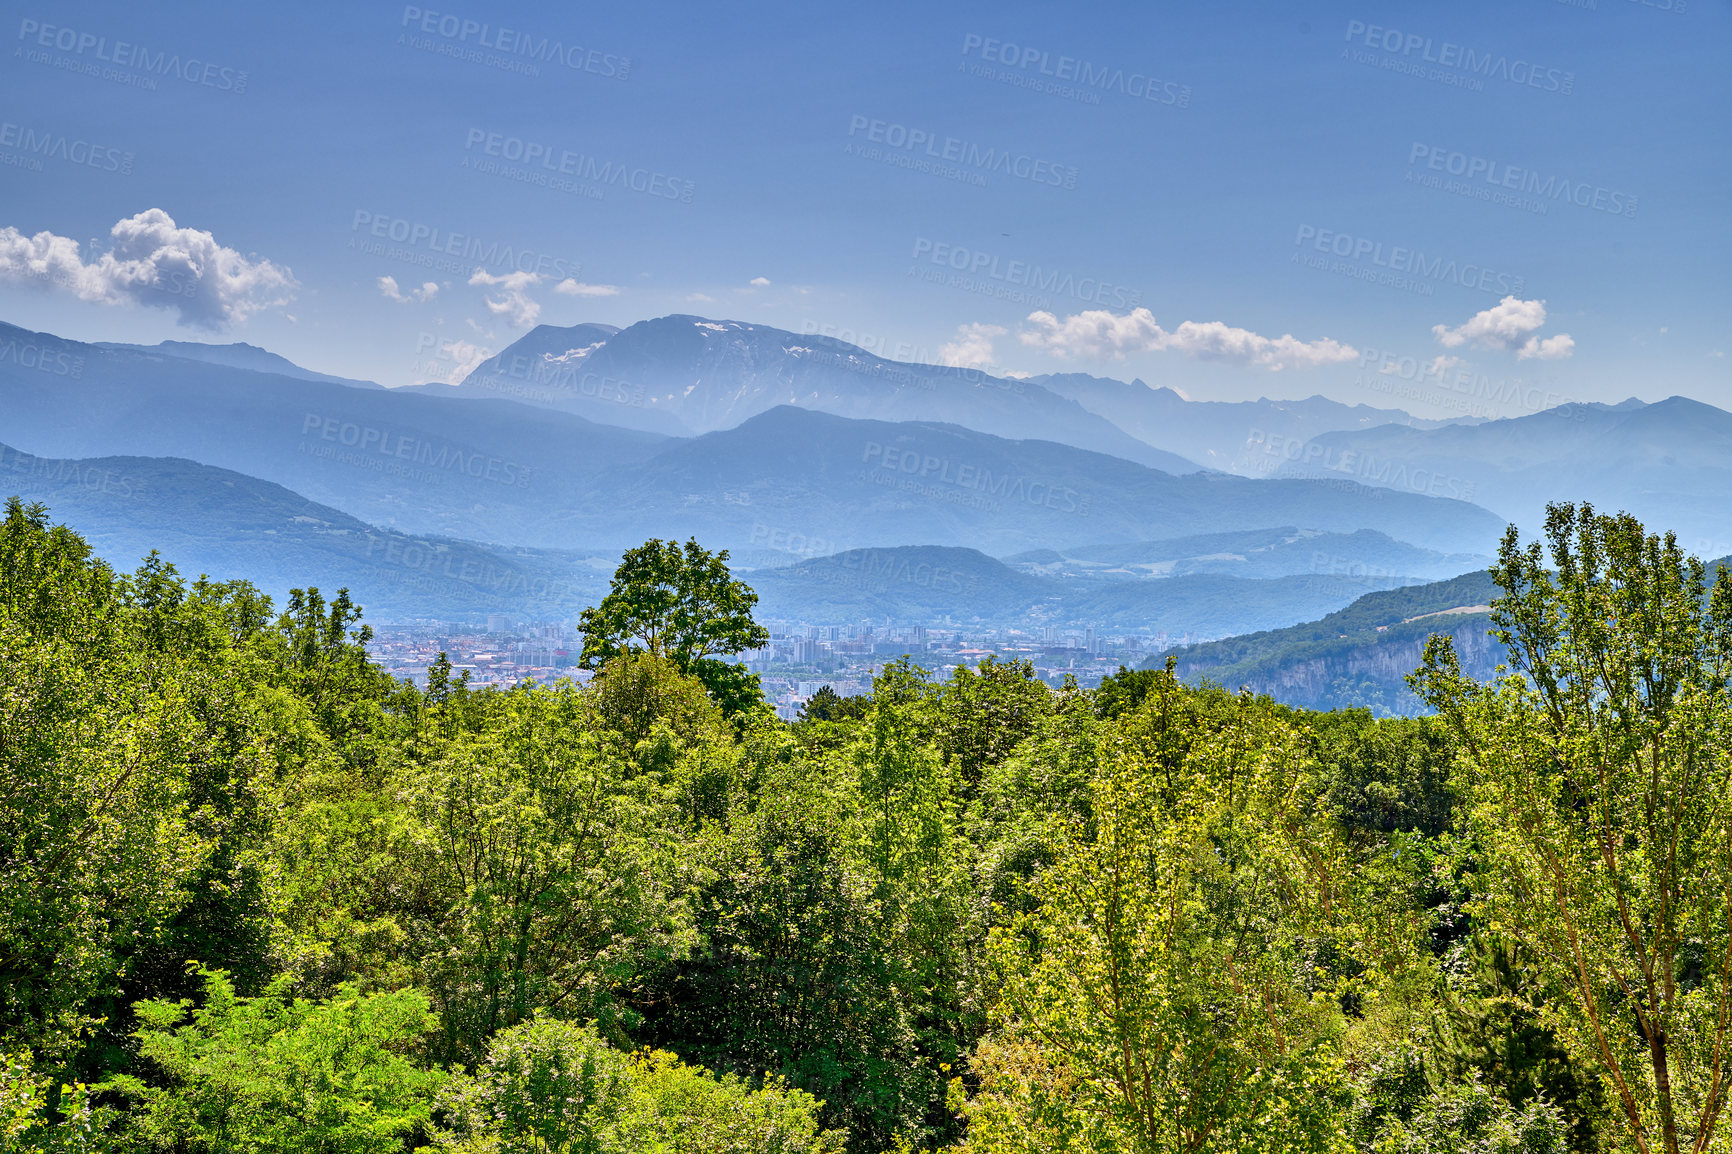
(1359, 655)
(849, 483)
(229, 525)
(490, 470)
(226, 524)
(238, 356)
(1366, 554)
(688, 375)
(925, 582)
(1668, 463)
(1233, 436)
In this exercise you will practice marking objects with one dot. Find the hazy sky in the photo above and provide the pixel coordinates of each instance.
(1008, 184)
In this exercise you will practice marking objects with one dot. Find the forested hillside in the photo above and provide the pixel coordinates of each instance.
(256, 895)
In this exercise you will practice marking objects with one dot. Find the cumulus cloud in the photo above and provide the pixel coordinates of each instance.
(153, 262)
(972, 346)
(388, 288)
(1099, 333)
(701, 298)
(1511, 325)
(576, 288)
(513, 302)
(1554, 348)
(760, 282)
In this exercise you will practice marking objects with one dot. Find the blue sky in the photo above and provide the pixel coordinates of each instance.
(1241, 171)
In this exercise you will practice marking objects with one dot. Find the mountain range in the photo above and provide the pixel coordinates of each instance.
(685, 376)
(217, 522)
(1066, 497)
(509, 473)
(1249, 438)
(1668, 463)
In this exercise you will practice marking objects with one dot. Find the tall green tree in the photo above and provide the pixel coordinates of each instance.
(682, 603)
(1601, 789)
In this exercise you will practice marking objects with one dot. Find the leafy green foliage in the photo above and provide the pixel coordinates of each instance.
(548, 1085)
(273, 1072)
(544, 1085)
(542, 883)
(257, 895)
(680, 603)
(1602, 803)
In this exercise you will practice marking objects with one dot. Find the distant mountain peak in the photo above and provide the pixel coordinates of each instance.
(686, 375)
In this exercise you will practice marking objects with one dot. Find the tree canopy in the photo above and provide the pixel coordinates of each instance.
(257, 895)
(680, 603)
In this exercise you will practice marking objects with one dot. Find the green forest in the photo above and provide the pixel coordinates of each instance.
(258, 895)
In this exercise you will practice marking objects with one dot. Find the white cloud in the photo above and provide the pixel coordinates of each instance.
(1511, 325)
(1551, 349)
(153, 262)
(1099, 333)
(701, 298)
(972, 346)
(760, 282)
(516, 305)
(576, 288)
(388, 288)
